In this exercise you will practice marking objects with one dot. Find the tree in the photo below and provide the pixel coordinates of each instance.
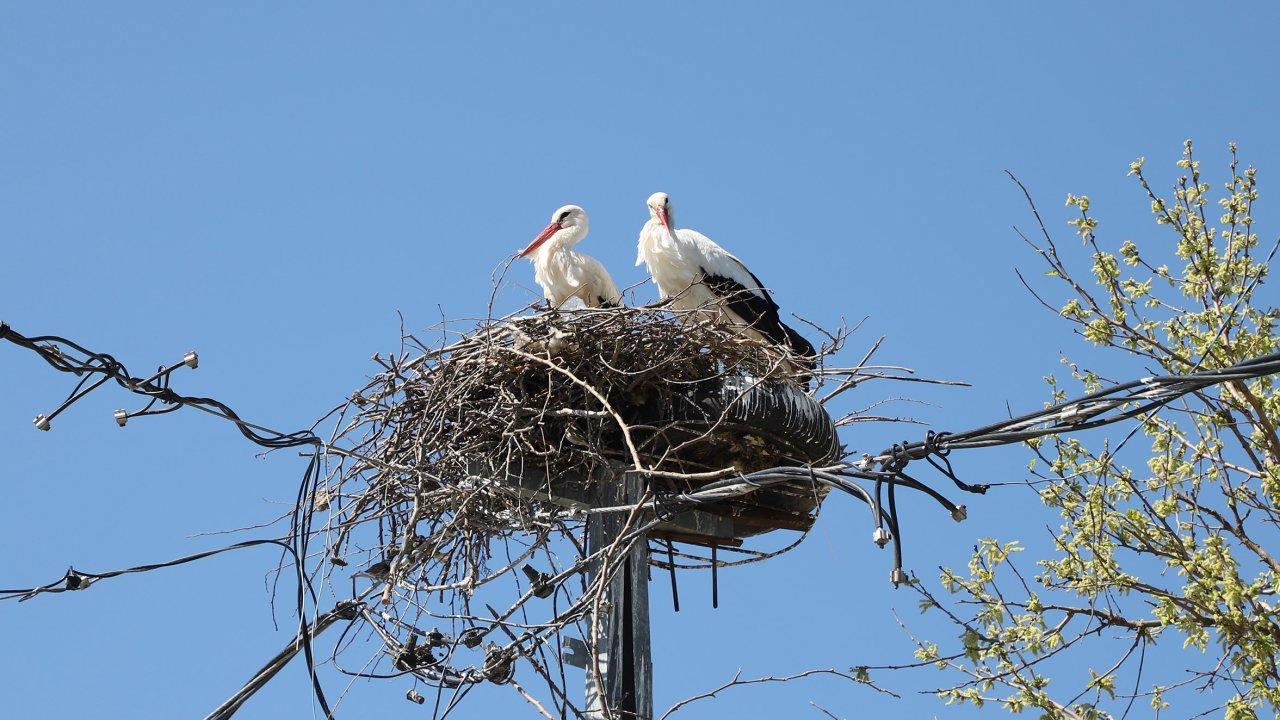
(1172, 550)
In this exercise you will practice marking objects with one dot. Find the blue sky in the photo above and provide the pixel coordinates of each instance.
(271, 185)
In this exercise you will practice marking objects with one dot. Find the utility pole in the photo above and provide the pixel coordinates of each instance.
(623, 658)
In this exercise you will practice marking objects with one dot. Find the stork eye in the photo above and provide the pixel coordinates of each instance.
(563, 216)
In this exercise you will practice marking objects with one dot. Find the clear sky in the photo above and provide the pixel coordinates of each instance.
(270, 186)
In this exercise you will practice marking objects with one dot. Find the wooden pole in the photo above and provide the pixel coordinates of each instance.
(622, 647)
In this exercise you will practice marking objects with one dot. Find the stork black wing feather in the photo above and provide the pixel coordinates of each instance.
(760, 286)
(758, 311)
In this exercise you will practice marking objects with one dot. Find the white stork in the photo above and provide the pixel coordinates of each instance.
(564, 273)
(694, 273)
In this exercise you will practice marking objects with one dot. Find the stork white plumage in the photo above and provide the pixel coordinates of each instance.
(694, 273)
(565, 273)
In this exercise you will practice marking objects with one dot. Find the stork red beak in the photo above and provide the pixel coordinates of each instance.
(662, 217)
(543, 236)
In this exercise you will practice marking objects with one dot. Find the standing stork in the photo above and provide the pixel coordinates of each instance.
(564, 273)
(694, 273)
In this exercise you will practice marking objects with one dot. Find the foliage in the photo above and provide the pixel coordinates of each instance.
(1170, 558)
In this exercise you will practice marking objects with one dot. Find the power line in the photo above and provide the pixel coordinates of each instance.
(887, 469)
(95, 369)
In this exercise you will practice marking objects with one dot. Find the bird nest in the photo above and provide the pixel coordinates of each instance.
(463, 472)
(558, 401)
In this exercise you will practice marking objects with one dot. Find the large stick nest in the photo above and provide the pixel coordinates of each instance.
(579, 394)
(463, 461)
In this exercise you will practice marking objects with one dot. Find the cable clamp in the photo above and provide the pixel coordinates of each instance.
(75, 581)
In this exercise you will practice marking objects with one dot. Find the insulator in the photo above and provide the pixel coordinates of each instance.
(414, 696)
(435, 638)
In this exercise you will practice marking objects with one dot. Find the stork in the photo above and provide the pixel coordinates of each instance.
(694, 273)
(564, 273)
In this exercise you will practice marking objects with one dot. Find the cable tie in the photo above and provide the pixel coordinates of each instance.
(938, 448)
(348, 609)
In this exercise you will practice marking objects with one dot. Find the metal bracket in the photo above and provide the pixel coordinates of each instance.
(577, 494)
(574, 652)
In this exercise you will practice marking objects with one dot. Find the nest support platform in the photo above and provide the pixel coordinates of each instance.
(690, 399)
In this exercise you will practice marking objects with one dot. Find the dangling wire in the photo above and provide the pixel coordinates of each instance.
(671, 568)
(70, 357)
(715, 578)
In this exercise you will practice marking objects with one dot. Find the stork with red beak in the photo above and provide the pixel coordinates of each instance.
(694, 273)
(564, 273)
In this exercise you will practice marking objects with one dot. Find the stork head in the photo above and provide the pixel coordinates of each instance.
(570, 219)
(660, 208)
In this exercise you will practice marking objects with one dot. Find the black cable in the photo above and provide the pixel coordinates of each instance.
(715, 578)
(156, 388)
(74, 579)
(671, 568)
